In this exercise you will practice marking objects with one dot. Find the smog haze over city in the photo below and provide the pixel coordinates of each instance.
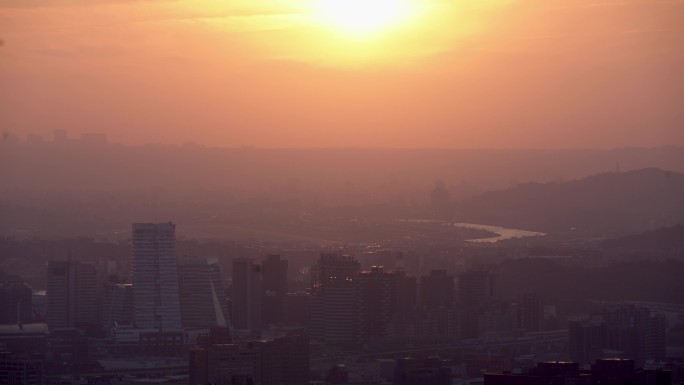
(314, 192)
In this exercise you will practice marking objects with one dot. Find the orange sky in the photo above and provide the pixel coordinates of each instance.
(458, 73)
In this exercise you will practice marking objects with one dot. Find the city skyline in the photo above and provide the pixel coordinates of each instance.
(341, 192)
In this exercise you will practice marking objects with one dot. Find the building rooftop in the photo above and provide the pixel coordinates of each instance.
(18, 329)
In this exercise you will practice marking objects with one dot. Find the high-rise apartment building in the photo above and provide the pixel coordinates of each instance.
(334, 270)
(475, 286)
(274, 286)
(154, 271)
(405, 310)
(375, 303)
(297, 309)
(437, 290)
(406, 290)
(202, 296)
(16, 301)
(475, 289)
(72, 294)
(117, 304)
(530, 313)
(334, 300)
(630, 330)
(246, 295)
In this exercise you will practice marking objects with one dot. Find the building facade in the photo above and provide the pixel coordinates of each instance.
(202, 295)
(246, 295)
(72, 294)
(154, 271)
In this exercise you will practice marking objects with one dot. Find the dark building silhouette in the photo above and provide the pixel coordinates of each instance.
(475, 289)
(16, 302)
(117, 304)
(68, 351)
(281, 361)
(375, 303)
(338, 374)
(615, 371)
(22, 369)
(72, 294)
(545, 373)
(410, 371)
(530, 313)
(202, 296)
(405, 292)
(438, 324)
(612, 371)
(334, 299)
(23, 338)
(631, 330)
(436, 314)
(285, 360)
(246, 295)
(405, 306)
(334, 270)
(161, 343)
(437, 290)
(274, 286)
(297, 309)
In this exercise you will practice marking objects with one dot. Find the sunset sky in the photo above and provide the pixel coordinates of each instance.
(303, 73)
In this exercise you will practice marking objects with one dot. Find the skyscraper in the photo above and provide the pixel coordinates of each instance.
(16, 302)
(202, 296)
(274, 286)
(530, 313)
(246, 295)
(71, 294)
(334, 299)
(405, 305)
(117, 304)
(375, 297)
(476, 288)
(154, 270)
(437, 290)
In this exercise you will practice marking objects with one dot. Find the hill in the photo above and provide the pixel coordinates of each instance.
(610, 204)
(663, 238)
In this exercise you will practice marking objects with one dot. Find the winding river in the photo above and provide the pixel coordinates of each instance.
(503, 232)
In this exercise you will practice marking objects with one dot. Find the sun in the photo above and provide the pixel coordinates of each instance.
(363, 17)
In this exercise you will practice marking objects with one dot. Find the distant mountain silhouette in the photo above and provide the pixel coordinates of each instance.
(663, 238)
(70, 188)
(611, 204)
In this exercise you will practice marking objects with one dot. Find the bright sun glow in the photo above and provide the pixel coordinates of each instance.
(363, 17)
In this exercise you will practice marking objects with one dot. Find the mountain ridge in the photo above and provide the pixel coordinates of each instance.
(611, 203)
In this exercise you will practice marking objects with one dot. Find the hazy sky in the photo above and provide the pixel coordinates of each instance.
(450, 73)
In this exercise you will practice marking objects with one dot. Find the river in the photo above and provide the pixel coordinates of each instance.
(503, 232)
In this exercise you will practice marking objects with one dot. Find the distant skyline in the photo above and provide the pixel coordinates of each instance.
(467, 74)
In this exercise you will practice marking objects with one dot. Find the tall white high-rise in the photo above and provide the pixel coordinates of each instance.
(154, 270)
